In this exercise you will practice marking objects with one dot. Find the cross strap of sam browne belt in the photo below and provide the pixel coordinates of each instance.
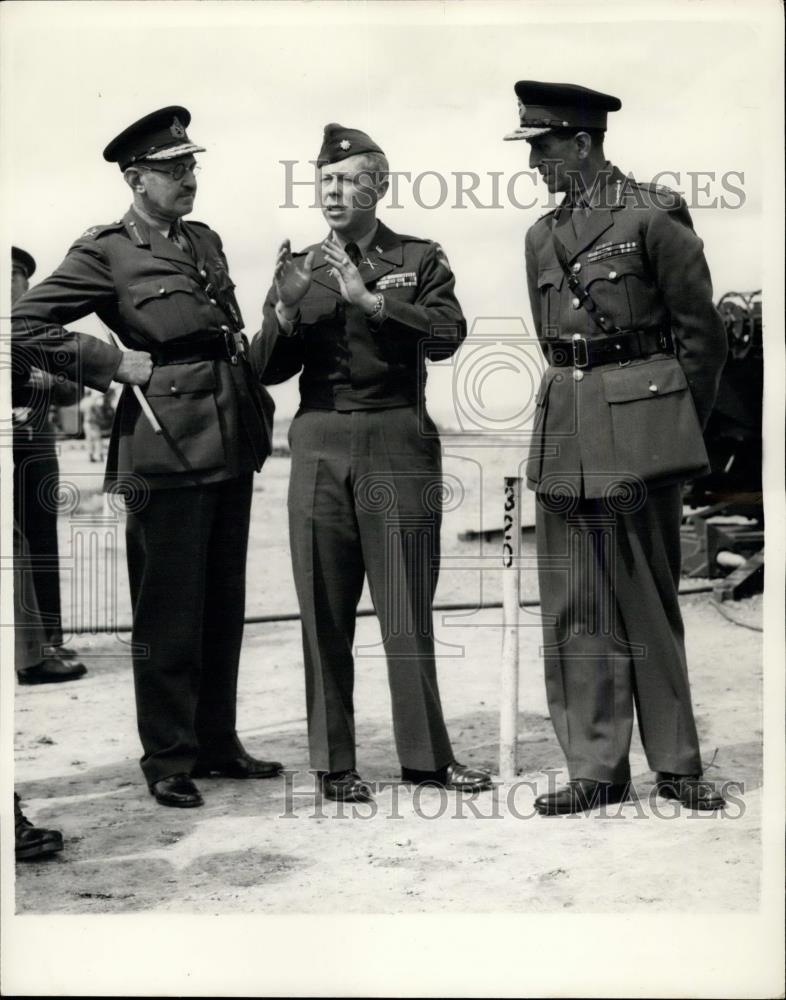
(603, 323)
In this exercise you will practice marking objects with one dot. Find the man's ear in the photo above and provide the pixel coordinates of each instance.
(382, 189)
(133, 178)
(584, 143)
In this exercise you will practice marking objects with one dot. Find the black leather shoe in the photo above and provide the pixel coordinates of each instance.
(51, 671)
(690, 790)
(455, 776)
(580, 795)
(345, 786)
(177, 790)
(30, 841)
(241, 766)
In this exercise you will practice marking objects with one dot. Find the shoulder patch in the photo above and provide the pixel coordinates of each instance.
(442, 257)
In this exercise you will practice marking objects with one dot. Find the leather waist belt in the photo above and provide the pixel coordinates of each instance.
(586, 352)
(211, 347)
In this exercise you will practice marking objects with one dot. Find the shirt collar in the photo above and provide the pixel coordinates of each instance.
(362, 244)
(165, 229)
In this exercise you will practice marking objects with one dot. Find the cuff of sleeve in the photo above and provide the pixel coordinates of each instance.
(287, 327)
(100, 368)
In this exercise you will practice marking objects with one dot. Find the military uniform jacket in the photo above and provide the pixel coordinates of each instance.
(348, 362)
(639, 258)
(216, 418)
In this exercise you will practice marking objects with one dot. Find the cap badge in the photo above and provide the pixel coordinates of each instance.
(177, 129)
(345, 144)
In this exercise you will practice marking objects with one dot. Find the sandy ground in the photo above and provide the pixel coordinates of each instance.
(272, 847)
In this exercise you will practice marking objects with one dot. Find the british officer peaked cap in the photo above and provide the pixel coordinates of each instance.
(160, 135)
(546, 106)
(339, 142)
(22, 260)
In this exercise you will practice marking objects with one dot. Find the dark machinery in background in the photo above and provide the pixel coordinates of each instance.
(723, 527)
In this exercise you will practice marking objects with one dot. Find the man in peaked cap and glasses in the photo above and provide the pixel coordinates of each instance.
(622, 302)
(183, 452)
(356, 316)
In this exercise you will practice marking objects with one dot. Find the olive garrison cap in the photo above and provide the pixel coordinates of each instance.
(546, 106)
(339, 142)
(23, 260)
(160, 135)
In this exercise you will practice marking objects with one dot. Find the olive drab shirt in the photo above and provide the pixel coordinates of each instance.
(348, 361)
(216, 418)
(637, 254)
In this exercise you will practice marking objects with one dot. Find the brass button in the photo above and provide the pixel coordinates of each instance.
(612, 274)
(224, 328)
(212, 302)
(578, 375)
(203, 272)
(576, 267)
(653, 387)
(575, 302)
(162, 291)
(173, 388)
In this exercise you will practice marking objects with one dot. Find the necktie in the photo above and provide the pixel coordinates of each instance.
(177, 237)
(353, 252)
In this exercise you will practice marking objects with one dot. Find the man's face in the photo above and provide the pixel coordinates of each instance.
(164, 195)
(348, 195)
(556, 160)
(19, 283)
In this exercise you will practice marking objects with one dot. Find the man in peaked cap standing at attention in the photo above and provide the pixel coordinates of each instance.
(356, 315)
(184, 455)
(622, 302)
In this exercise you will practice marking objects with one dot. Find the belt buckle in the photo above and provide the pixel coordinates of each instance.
(579, 340)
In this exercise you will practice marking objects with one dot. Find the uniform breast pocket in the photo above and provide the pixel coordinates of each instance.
(623, 290)
(184, 402)
(169, 306)
(656, 432)
(550, 281)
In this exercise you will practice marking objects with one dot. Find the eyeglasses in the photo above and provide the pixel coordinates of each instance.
(178, 172)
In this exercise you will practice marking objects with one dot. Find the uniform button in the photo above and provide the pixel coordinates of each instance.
(203, 272)
(653, 388)
(224, 328)
(578, 375)
(576, 267)
(612, 274)
(575, 303)
(173, 388)
(162, 291)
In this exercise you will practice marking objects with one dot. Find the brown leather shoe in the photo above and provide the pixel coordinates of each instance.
(581, 795)
(176, 790)
(345, 786)
(241, 766)
(51, 671)
(690, 790)
(455, 776)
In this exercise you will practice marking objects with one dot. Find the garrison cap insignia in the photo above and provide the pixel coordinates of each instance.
(176, 128)
(338, 139)
(345, 144)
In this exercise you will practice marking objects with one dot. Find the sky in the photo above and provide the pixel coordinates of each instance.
(431, 82)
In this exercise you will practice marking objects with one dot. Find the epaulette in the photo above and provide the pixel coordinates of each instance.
(661, 195)
(95, 231)
(413, 239)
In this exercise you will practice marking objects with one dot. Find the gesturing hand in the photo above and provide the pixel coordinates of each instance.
(351, 285)
(292, 278)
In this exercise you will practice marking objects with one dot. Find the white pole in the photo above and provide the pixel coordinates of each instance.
(509, 693)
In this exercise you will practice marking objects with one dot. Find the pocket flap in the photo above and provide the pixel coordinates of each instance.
(646, 381)
(614, 268)
(172, 380)
(551, 276)
(158, 288)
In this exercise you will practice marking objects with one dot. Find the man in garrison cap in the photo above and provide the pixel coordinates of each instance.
(36, 477)
(183, 450)
(356, 315)
(622, 302)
